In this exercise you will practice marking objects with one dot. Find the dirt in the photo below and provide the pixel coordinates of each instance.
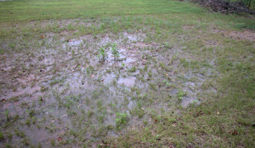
(188, 27)
(69, 88)
(239, 35)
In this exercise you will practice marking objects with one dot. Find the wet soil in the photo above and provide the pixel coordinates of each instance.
(66, 91)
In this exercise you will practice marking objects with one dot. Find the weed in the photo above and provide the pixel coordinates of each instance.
(167, 45)
(153, 86)
(26, 141)
(1, 136)
(121, 119)
(20, 134)
(133, 69)
(115, 51)
(33, 120)
(102, 54)
(194, 102)
(27, 122)
(114, 82)
(139, 111)
(14, 99)
(7, 115)
(162, 65)
(145, 68)
(39, 145)
(150, 74)
(87, 69)
(9, 136)
(99, 103)
(95, 94)
(90, 113)
(181, 94)
(53, 143)
(101, 119)
(122, 64)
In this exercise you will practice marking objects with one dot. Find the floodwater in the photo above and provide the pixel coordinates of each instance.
(69, 90)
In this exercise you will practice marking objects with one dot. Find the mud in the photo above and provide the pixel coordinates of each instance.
(67, 89)
(239, 35)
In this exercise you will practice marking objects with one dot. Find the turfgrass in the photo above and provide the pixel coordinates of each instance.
(182, 77)
(63, 9)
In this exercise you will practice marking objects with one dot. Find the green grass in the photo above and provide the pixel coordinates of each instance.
(27, 10)
(64, 9)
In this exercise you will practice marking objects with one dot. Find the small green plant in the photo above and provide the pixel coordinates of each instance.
(194, 101)
(180, 95)
(102, 54)
(133, 69)
(168, 85)
(7, 115)
(122, 64)
(90, 113)
(164, 81)
(70, 27)
(114, 82)
(145, 68)
(1, 136)
(25, 141)
(115, 51)
(53, 142)
(149, 74)
(162, 65)
(152, 85)
(121, 119)
(87, 69)
(27, 122)
(9, 136)
(167, 45)
(139, 111)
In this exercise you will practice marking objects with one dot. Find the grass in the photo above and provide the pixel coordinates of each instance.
(102, 54)
(115, 51)
(53, 83)
(121, 119)
(1, 136)
(133, 69)
(180, 95)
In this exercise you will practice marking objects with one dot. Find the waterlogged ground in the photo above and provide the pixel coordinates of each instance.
(58, 90)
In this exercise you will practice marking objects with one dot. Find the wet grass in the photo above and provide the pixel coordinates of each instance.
(132, 80)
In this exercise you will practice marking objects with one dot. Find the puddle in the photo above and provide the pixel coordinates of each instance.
(75, 42)
(133, 37)
(83, 94)
(43, 136)
(129, 82)
(189, 100)
(124, 58)
(104, 41)
(109, 78)
(131, 105)
(72, 43)
(26, 79)
(27, 90)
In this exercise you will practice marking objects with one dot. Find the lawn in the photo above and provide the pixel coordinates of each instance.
(144, 73)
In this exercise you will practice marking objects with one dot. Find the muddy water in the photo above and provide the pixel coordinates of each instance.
(129, 82)
(70, 91)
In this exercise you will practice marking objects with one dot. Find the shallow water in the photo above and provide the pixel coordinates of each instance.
(70, 89)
